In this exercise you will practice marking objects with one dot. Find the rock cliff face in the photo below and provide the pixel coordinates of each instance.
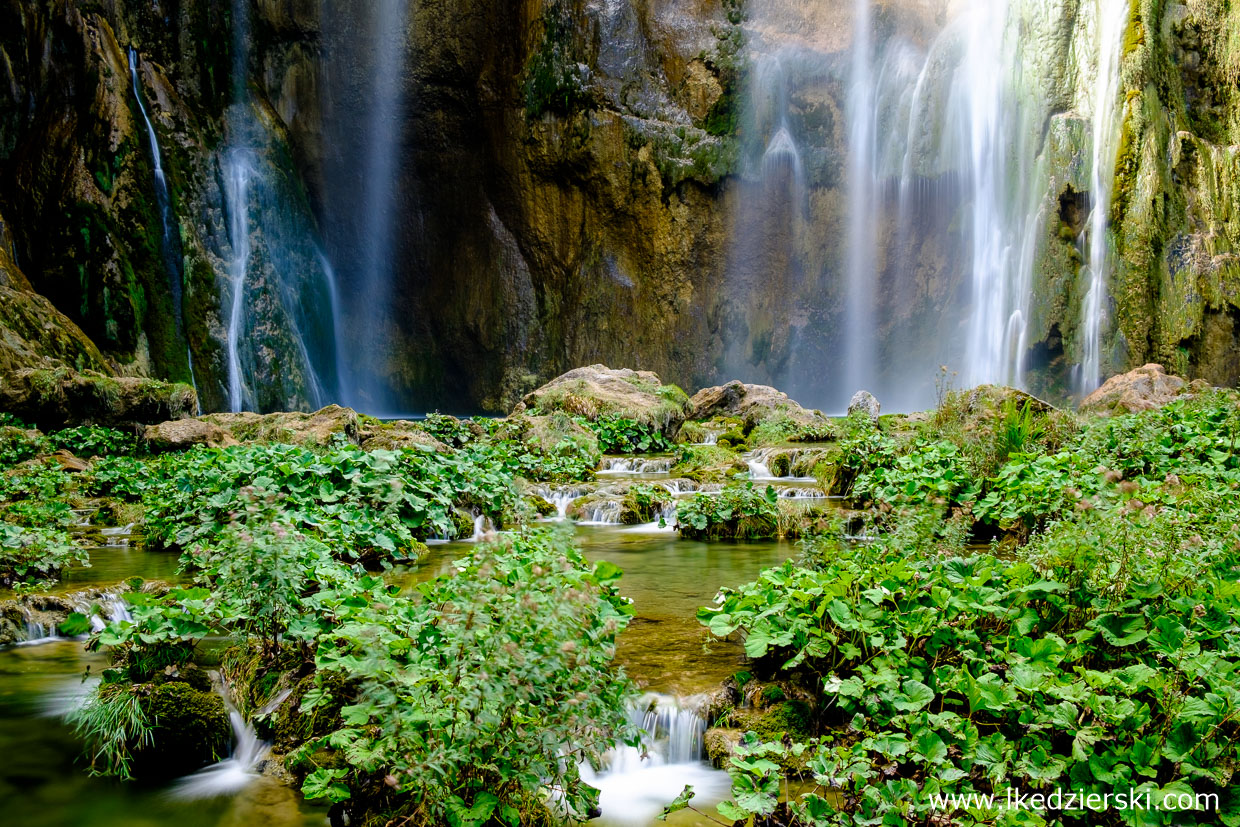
(575, 181)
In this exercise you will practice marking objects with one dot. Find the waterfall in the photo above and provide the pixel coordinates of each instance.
(1112, 23)
(234, 773)
(237, 170)
(170, 237)
(860, 352)
(364, 105)
(281, 314)
(635, 787)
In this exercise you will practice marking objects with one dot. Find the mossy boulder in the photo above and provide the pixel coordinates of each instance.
(707, 463)
(555, 434)
(190, 730)
(183, 434)
(598, 390)
(644, 504)
(63, 398)
(373, 434)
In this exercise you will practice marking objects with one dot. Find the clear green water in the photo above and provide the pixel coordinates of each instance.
(43, 779)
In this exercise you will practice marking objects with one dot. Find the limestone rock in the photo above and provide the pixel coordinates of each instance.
(1142, 389)
(64, 398)
(316, 428)
(598, 390)
(864, 402)
(753, 403)
(394, 436)
(183, 434)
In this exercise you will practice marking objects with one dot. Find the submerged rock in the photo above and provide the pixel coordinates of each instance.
(864, 402)
(1142, 389)
(754, 404)
(598, 390)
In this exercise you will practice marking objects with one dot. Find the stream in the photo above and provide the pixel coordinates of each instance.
(44, 781)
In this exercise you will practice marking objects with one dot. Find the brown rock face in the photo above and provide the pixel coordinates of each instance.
(753, 403)
(1143, 389)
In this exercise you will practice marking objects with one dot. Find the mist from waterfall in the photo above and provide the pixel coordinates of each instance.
(1112, 22)
(280, 305)
(362, 85)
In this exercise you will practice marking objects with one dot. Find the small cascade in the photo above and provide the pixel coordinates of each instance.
(665, 524)
(117, 537)
(801, 493)
(711, 438)
(170, 241)
(42, 616)
(635, 789)
(483, 528)
(234, 773)
(636, 465)
(680, 488)
(758, 470)
(603, 512)
(561, 498)
(1112, 22)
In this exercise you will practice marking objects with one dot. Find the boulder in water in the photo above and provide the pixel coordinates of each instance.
(864, 402)
(191, 730)
(1142, 389)
(598, 390)
(754, 404)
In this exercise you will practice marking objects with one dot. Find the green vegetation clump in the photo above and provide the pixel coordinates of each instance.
(739, 512)
(704, 463)
(619, 435)
(556, 79)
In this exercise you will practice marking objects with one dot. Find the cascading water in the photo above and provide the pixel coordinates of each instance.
(860, 352)
(170, 237)
(280, 300)
(1112, 22)
(363, 82)
(635, 789)
(234, 773)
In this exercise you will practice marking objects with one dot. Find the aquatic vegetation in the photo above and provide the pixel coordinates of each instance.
(739, 512)
(619, 435)
(1099, 656)
(29, 556)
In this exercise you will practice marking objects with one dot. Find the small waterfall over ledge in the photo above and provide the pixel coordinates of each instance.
(635, 789)
(234, 773)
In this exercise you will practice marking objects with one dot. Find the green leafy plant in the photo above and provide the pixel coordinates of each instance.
(739, 512)
(618, 435)
(471, 699)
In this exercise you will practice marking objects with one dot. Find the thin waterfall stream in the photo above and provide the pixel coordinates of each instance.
(170, 236)
(1112, 23)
